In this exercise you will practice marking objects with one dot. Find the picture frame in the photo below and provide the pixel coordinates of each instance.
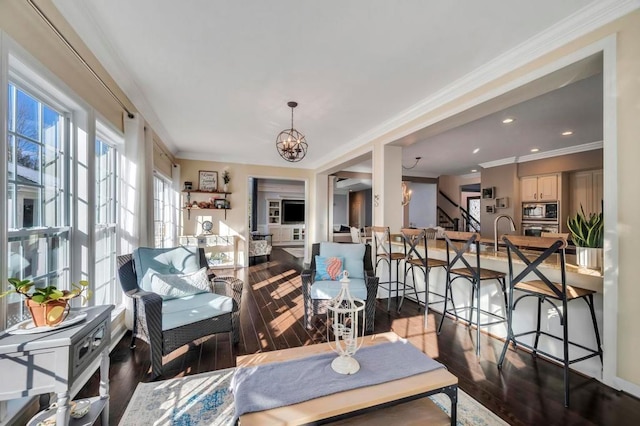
(220, 203)
(207, 181)
(491, 209)
(502, 203)
(489, 193)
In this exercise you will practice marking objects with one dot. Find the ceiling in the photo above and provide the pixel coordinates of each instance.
(213, 78)
(538, 125)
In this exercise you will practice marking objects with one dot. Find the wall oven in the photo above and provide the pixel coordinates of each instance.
(536, 229)
(540, 211)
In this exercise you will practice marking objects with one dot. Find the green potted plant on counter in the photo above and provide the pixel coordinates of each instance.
(587, 233)
(48, 305)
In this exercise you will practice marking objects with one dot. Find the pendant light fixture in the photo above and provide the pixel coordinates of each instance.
(291, 144)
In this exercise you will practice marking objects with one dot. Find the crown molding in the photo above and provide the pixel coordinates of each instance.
(496, 163)
(562, 151)
(542, 155)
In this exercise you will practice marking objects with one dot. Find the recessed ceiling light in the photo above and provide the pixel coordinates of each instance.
(535, 149)
(474, 170)
(567, 133)
(508, 120)
(475, 151)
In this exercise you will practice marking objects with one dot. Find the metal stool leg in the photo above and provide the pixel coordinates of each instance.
(447, 288)
(477, 284)
(404, 283)
(535, 343)
(426, 295)
(589, 301)
(565, 335)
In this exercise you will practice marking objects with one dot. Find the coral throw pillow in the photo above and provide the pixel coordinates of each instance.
(328, 268)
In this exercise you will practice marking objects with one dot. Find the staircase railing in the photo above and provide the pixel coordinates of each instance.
(445, 221)
(471, 221)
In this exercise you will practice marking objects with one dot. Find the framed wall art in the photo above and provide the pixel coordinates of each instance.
(489, 193)
(207, 181)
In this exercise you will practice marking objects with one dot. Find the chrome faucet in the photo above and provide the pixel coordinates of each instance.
(495, 228)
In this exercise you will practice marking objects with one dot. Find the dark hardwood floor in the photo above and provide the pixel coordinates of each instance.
(528, 391)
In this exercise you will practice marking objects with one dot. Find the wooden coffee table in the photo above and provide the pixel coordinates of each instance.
(402, 400)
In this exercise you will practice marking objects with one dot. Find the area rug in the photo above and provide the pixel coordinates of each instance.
(295, 251)
(205, 399)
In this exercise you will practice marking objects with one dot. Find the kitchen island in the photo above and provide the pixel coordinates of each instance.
(524, 319)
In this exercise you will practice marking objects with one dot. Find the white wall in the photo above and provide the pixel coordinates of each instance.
(422, 208)
(340, 210)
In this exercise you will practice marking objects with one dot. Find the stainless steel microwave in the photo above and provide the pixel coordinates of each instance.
(540, 211)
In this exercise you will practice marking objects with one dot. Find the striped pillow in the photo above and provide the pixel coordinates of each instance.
(328, 268)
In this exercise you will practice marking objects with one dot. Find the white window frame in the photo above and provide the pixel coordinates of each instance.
(60, 273)
(166, 212)
(114, 140)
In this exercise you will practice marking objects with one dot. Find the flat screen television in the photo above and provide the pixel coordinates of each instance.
(292, 212)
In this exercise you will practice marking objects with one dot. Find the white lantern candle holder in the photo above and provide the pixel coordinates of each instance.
(343, 320)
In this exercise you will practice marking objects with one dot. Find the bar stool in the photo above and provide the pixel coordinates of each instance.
(412, 238)
(546, 290)
(473, 274)
(382, 240)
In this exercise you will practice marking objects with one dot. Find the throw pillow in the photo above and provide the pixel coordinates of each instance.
(173, 286)
(328, 268)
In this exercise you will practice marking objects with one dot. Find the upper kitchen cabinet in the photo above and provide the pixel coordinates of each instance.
(585, 189)
(539, 188)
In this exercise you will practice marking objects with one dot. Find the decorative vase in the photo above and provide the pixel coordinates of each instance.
(590, 258)
(225, 188)
(47, 314)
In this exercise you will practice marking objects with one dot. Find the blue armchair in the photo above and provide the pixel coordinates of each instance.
(176, 300)
(364, 283)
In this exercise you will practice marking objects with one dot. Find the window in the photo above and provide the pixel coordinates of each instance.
(37, 192)
(163, 217)
(106, 289)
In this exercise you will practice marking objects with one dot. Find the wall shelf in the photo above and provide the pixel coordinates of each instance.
(189, 207)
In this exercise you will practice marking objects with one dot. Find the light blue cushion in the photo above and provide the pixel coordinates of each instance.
(329, 289)
(353, 256)
(190, 309)
(329, 268)
(164, 261)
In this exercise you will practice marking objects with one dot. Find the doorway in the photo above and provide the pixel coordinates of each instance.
(473, 207)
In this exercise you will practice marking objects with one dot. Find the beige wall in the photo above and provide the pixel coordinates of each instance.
(506, 183)
(587, 160)
(236, 222)
(628, 229)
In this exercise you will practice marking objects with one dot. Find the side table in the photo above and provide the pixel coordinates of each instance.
(33, 364)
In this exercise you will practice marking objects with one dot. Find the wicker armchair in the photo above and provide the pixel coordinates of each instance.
(148, 313)
(316, 306)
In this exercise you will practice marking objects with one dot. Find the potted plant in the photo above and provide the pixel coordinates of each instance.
(226, 178)
(587, 233)
(48, 305)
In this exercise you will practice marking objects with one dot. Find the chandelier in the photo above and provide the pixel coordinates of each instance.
(406, 194)
(291, 144)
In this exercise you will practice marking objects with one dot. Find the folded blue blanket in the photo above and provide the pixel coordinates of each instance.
(284, 383)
